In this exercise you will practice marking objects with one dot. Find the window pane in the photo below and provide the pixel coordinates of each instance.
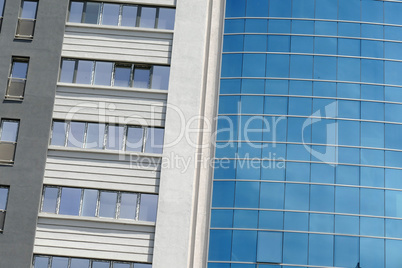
(92, 12)
(79, 263)
(70, 201)
(269, 248)
(9, 131)
(160, 77)
(128, 206)
(129, 16)
(1, 7)
(141, 77)
(84, 72)
(115, 137)
(371, 252)
(100, 264)
(67, 71)
(20, 69)
(148, 207)
(76, 9)
(95, 136)
(110, 14)
(59, 133)
(41, 262)
(103, 73)
(122, 76)
(154, 142)
(134, 139)
(50, 199)
(121, 265)
(76, 134)
(108, 204)
(3, 198)
(59, 262)
(346, 251)
(142, 265)
(148, 16)
(166, 18)
(89, 203)
(29, 10)
(321, 249)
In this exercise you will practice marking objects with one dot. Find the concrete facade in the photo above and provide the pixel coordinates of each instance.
(25, 177)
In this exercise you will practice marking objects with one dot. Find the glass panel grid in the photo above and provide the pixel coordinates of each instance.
(328, 72)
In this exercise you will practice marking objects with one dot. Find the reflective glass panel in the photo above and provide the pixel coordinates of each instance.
(67, 71)
(70, 201)
(84, 72)
(148, 17)
(121, 265)
(134, 139)
(59, 262)
(269, 247)
(59, 133)
(89, 202)
(9, 131)
(115, 135)
(148, 207)
(100, 264)
(92, 12)
(79, 263)
(128, 206)
(122, 76)
(95, 136)
(110, 15)
(160, 77)
(41, 262)
(50, 199)
(3, 198)
(141, 77)
(29, 9)
(20, 69)
(154, 141)
(103, 73)
(129, 16)
(107, 207)
(76, 134)
(76, 9)
(166, 18)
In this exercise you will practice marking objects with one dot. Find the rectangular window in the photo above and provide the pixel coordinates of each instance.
(106, 136)
(2, 3)
(27, 19)
(68, 262)
(8, 140)
(122, 15)
(114, 74)
(98, 203)
(3, 205)
(17, 79)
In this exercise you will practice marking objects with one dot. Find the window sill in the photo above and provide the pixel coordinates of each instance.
(99, 151)
(128, 89)
(95, 219)
(116, 28)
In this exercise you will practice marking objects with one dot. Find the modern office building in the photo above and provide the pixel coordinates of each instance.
(200, 133)
(313, 90)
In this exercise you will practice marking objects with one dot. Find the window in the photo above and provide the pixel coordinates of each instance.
(2, 3)
(17, 79)
(67, 262)
(27, 19)
(104, 73)
(99, 203)
(107, 137)
(3, 205)
(122, 15)
(8, 140)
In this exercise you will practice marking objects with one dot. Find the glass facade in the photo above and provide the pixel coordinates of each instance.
(308, 169)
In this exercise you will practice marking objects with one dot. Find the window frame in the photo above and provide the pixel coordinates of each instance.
(22, 20)
(120, 15)
(123, 148)
(4, 211)
(17, 59)
(117, 204)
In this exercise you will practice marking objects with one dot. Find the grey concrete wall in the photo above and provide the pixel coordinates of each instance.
(25, 177)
